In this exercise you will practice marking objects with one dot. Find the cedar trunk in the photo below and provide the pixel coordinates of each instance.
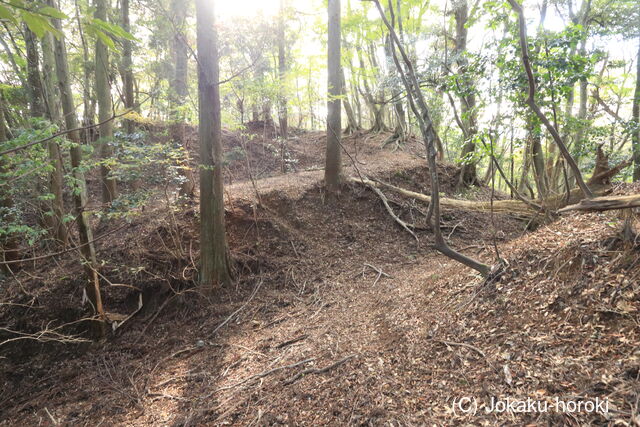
(103, 93)
(333, 166)
(214, 252)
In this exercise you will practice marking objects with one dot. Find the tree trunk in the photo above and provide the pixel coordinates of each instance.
(34, 88)
(87, 249)
(537, 156)
(127, 65)
(333, 166)
(88, 112)
(400, 130)
(352, 122)
(58, 229)
(178, 96)
(635, 137)
(468, 108)
(214, 253)
(103, 93)
(282, 71)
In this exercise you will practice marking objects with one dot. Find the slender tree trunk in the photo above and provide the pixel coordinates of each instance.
(526, 161)
(333, 166)
(34, 87)
(214, 253)
(58, 229)
(87, 249)
(537, 155)
(88, 112)
(376, 112)
(635, 138)
(468, 108)
(127, 65)
(282, 71)
(355, 97)
(178, 95)
(352, 122)
(400, 130)
(105, 110)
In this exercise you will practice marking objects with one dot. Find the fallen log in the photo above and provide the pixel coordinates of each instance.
(606, 203)
(515, 208)
(511, 207)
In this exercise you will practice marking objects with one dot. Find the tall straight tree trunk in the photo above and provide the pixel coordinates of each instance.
(282, 71)
(127, 65)
(333, 166)
(468, 106)
(88, 112)
(179, 93)
(635, 138)
(103, 93)
(400, 130)
(87, 249)
(215, 268)
(58, 229)
(34, 89)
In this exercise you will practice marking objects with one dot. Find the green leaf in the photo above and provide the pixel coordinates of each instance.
(17, 3)
(37, 24)
(6, 14)
(52, 12)
(102, 36)
(112, 29)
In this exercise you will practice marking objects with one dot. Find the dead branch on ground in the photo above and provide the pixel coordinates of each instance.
(385, 201)
(265, 373)
(605, 203)
(308, 371)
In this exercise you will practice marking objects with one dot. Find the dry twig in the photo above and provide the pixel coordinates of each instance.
(300, 374)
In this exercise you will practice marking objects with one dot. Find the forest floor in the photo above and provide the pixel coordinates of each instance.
(338, 316)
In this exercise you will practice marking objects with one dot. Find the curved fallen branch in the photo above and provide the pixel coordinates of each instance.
(389, 210)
